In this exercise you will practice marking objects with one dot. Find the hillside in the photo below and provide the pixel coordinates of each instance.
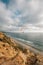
(11, 53)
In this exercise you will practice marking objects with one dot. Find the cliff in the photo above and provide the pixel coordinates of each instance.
(11, 53)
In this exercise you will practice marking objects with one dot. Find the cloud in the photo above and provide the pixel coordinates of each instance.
(21, 15)
(6, 18)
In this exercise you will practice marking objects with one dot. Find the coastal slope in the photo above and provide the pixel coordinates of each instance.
(11, 53)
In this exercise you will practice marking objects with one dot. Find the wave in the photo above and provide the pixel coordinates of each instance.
(32, 44)
(25, 41)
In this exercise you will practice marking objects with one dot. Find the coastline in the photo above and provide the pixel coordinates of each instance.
(14, 52)
(33, 49)
(27, 43)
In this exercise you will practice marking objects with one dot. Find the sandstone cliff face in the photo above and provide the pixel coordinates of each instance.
(12, 54)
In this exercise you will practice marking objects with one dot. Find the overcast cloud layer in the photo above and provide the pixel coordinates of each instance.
(21, 15)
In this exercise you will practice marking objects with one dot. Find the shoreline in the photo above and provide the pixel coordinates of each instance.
(31, 48)
(25, 43)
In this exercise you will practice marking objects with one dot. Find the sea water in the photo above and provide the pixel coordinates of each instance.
(32, 39)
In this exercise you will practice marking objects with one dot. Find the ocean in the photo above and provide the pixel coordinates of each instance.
(33, 39)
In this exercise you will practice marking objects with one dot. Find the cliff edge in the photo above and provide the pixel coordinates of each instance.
(11, 53)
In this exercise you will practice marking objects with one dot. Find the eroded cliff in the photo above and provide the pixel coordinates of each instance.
(13, 54)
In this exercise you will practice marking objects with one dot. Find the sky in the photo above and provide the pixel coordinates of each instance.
(21, 15)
